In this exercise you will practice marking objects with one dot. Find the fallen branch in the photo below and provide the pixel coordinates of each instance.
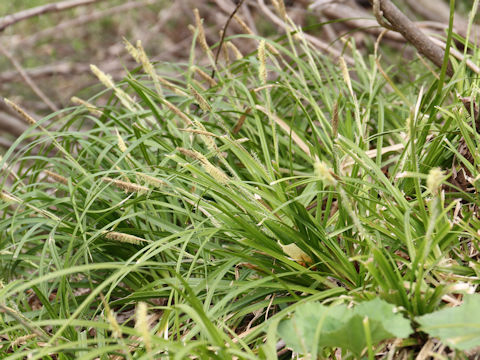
(361, 20)
(440, 11)
(458, 55)
(60, 29)
(29, 80)
(60, 69)
(12, 125)
(6, 144)
(413, 34)
(11, 19)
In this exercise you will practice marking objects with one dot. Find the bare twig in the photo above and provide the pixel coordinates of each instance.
(12, 125)
(62, 69)
(223, 35)
(6, 144)
(11, 19)
(28, 80)
(457, 54)
(81, 20)
(413, 34)
(439, 11)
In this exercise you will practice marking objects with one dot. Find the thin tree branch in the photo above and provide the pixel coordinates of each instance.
(62, 69)
(12, 19)
(81, 20)
(29, 80)
(457, 54)
(6, 144)
(438, 11)
(12, 125)
(223, 35)
(413, 34)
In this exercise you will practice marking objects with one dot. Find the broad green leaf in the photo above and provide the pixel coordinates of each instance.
(458, 327)
(315, 325)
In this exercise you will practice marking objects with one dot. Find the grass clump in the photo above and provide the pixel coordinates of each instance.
(188, 216)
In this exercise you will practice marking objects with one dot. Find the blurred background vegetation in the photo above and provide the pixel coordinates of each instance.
(54, 50)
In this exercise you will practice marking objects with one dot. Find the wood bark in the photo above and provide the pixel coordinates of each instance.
(401, 23)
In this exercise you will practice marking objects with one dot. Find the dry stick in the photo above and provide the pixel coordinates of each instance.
(12, 125)
(29, 80)
(439, 11)
(457, 54)
(359, 19)
(223, 35)
(61, 69)
(59, 29)
(6, 144)
(11, 19)
(413, 34)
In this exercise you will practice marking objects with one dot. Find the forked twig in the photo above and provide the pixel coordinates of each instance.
(377, 11)
(401, 23)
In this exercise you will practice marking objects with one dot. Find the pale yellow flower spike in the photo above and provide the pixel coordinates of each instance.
(323, 172)
(215, 172)
(92, 109)
(346, 75)
(434, 180)
(140, 56)
(280, 6)
(128, 187)
(121, 144)
(234, 49)
(201, 33)
(20, 111)
(141, 317)
(107, 81)
(262, 68)
(126, 238)
(57, 177)
(7, 197)
(110, 315)
(150, 180)
(204, 105)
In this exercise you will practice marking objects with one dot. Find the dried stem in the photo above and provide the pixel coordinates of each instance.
(28, 79)
(224, 30)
